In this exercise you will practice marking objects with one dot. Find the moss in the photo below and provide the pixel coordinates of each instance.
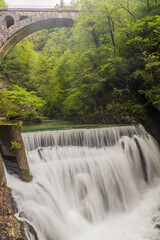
(15, 145)
(10, 227)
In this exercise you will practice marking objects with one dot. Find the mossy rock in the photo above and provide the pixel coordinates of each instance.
(10, 227)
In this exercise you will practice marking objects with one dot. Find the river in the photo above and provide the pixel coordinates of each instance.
(60, 125)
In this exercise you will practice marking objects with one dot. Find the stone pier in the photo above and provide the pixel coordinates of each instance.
(13, 151)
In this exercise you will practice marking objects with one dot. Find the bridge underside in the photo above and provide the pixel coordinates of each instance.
(18, 36)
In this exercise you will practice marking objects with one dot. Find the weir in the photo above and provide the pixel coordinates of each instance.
(86, 180)
(98, 137)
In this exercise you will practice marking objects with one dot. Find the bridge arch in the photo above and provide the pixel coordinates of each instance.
(9, 21)
(16, 25)
(23, 17)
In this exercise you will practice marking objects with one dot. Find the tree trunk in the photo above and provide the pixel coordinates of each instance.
(111, 29)
(128, 5)
(127, 9)
(148, 6)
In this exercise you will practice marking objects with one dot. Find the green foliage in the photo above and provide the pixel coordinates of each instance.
(21, 65)
(19, 104)
(2, 4)
(15, 146)
(128, 112)
(105, 69)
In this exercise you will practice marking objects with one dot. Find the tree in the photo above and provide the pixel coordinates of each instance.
(21, 65)
(2, 4)
(61, 3)
(104, 69)
(19, 104)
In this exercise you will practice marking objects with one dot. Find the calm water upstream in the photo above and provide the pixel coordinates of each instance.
(91, 184)
(59, 125)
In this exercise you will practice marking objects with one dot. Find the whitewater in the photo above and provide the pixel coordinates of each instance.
(91, 184)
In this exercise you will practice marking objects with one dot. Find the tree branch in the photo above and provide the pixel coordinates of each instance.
(127, 10)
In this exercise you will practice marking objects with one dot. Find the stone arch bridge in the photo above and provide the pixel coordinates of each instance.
(16, 24)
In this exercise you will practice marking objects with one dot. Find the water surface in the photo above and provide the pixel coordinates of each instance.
(60, 125)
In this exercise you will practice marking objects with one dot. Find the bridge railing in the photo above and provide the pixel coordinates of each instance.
(39, 9)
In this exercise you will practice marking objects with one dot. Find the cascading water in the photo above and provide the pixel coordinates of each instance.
(91, 184)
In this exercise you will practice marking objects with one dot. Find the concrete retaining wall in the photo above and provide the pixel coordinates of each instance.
(14, 157)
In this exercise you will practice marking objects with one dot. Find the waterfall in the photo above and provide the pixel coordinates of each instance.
(98, 137)
(88, 182)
